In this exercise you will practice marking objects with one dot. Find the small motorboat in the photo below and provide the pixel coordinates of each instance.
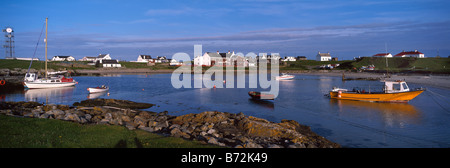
(261, 96)
(285, 77)
(393, 91)
(102, 88)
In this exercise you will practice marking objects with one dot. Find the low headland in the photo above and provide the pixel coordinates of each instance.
(219, 129)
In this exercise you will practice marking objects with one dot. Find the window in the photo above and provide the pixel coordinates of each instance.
(405, 87)
(396, 87)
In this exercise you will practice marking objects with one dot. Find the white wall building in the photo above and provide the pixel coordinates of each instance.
(63, 58)
(144, 58)
(389, 55)
(414, 53)
(323, 56)
(109, 63)
(289, 59)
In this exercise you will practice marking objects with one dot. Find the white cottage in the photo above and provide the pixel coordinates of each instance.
(414, 53)
(63, 58)
(323, 56)
(109, 63)
(144, 58)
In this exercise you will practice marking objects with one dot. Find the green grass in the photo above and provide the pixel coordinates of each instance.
(307, 64)
(400, 64)
(22, 64)
(46, 133)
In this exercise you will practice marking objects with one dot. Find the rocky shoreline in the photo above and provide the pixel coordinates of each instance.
(212, 127)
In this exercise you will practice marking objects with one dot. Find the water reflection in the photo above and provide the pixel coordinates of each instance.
(393, 114)
(96, 95)
(263, 103)
(53, 95)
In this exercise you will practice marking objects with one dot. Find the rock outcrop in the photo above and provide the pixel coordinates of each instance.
(218, 128)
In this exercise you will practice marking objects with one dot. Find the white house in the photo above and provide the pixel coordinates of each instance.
(289, 59)
(63, 58)
(88, 59)
(383, 55)
(103, 57)
(251, 62)
(414, 53)
(323, 56)
(174, 62)
(144, 58)
(161, 59)
(239, 61)
(109, 63)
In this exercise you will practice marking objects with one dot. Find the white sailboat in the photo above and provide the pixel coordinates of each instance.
(31, 81)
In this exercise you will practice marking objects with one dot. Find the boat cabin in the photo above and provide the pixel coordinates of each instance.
(30, 77)
(395, 86)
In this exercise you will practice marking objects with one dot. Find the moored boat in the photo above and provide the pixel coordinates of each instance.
(261, 96)
(102, 88)
(393, 91)
(285, 77)
(31, 80)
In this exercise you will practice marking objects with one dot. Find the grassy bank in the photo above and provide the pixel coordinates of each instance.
(45, 133)
(438, 65)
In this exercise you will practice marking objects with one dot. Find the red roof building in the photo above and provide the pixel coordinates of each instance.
(414, 53)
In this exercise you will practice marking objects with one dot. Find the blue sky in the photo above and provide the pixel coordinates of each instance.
(126, 29)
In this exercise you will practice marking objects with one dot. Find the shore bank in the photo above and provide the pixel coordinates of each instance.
(211, 127)
(442, 81)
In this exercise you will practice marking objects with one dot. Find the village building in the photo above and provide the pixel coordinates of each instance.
(103, 57)
(161, 59)
(289, 58)
(174, 62)
(108, 63)
(204, 60)
(414, 53)
(63, 58)
(251, 62)
(88, 59)
(144, 58)
(323, 56)
(389, 55)
(301, 58)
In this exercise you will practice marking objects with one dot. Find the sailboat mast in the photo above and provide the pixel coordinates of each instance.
(46, 30)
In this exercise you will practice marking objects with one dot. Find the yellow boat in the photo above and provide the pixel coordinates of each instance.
(393, 91)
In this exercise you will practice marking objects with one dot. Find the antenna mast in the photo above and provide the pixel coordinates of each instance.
(45, 40)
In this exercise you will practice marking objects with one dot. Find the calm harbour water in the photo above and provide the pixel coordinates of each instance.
(423, 122)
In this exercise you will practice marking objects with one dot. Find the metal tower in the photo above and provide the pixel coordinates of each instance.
(9, 43)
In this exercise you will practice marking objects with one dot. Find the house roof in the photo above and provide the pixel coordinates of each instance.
(146, 56)
(102, 55)
(381, 54)
(408, 53)
(213, 54)
(324, 54)
(60, 56)
(110, 62)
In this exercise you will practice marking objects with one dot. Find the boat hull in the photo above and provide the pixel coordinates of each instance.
(376, 97)
(261, 96)
(288, 77)
(97, 90)
(40, 85)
